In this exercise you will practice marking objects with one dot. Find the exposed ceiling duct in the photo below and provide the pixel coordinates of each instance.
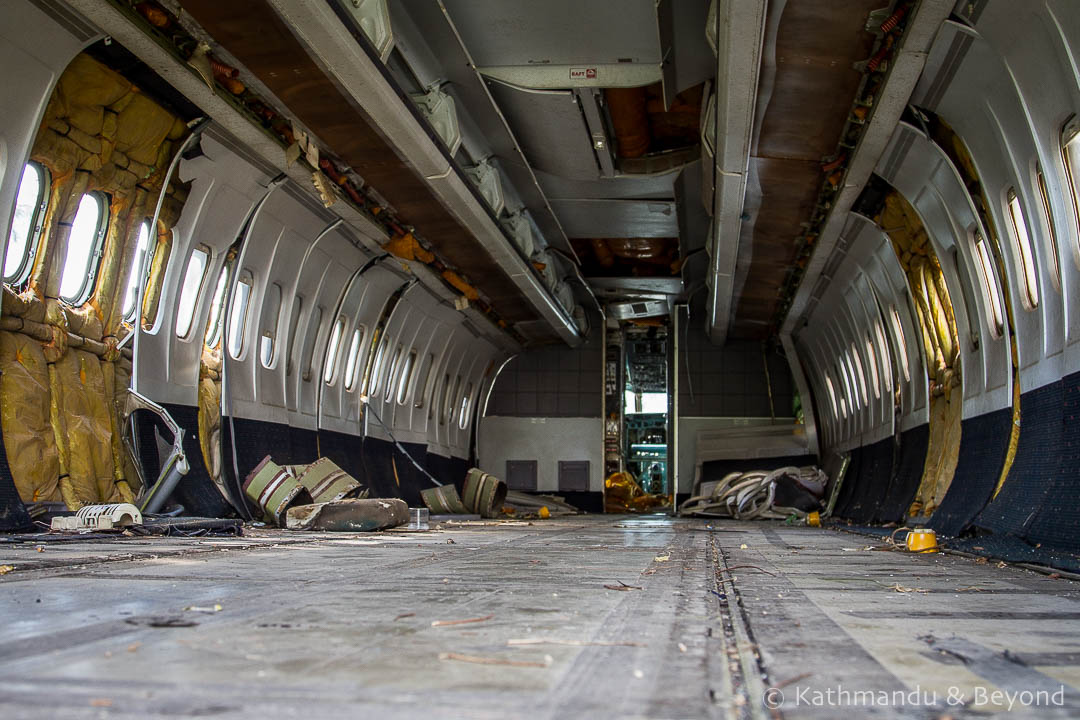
(336, 42)
(907, 66)
(739, 32)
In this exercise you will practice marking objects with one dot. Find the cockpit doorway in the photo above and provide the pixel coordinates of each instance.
(645, 481)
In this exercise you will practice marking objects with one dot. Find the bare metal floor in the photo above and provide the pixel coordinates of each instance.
(715, 615)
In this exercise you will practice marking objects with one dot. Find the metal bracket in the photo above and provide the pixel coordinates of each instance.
(175, 467)
(589, 101)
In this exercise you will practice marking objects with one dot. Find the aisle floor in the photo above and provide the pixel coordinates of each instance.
(594, 616)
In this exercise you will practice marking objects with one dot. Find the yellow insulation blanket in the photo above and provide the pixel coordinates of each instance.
(210, 426)
(59, 421)
(25, 418)
(88, 429)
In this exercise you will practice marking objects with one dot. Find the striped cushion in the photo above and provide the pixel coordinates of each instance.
(274, 489)
(326, 481)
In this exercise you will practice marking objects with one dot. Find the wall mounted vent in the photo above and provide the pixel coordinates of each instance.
(521, 475)
(573, 476)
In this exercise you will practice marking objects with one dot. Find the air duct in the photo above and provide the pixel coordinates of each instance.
(737, 31)
(486, 178)
(439, 110)
(520, 228)
(373, 16)
(630, 119)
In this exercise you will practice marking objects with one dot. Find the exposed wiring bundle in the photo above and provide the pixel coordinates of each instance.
(755, 495)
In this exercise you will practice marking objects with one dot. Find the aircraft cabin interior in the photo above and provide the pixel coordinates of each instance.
(522, 358)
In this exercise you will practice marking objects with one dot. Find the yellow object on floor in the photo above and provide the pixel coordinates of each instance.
(624, 494)
(922, 540)
(919, 540)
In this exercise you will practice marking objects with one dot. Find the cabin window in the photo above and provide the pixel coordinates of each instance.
(391, 374)
(1021, 241)
(294, 324)
(238, 314)
(30, 205)
(444, 399)
(84, 250)
(845, 390)
(127, 309)
(1070, 153)
(875, 378)
(861, 374)
(377, 368)
(989, 285)
(330, 365)
(189, 290)
(832, 395)
(1048, 215)
(313, 332)
(272, 312)
(886, 356)
(901, 342)
(217, 309)
(466, 403)
(352, 364)
(406, 377)
(423, 382)
(850, 382)
(450, 398)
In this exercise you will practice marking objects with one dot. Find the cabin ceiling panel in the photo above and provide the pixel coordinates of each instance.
(557, 32)
(617, 218)
(694, 59)
(551, 130)
(626, 187)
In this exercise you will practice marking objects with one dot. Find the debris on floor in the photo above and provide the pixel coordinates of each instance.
(349, 515)
(100, 517)
(516, 642)
(274, 489)
(466, 621)
(483, 494)
(523, 505)
(161, 621)
(495, 661)
(789, 493)
(624, 494)
(623, 587)
(443, 500)
(319, 496)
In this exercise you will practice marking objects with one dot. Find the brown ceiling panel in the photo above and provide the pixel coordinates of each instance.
(817, 45)
(252, 32)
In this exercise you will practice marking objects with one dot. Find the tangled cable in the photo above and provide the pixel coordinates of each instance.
(750, 495)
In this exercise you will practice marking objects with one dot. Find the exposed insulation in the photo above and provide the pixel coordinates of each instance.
(940, 342)
(459, 283)
(408, 248)
(88, 431)
(25, 419)
(62, 371)
(957, 151)
(210, 426)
